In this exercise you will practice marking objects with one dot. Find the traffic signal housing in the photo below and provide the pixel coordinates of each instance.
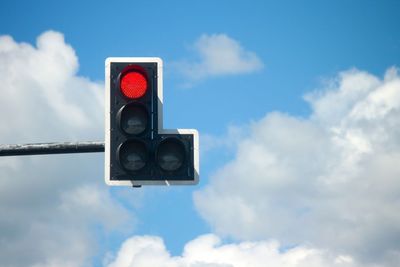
(138, 151)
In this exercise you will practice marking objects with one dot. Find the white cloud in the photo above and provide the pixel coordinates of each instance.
(208, 251)
(51, 206)
(331, 180)
(41, 85)
(229, 140)
(218, 54)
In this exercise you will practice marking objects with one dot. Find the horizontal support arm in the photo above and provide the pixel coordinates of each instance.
(51, 148)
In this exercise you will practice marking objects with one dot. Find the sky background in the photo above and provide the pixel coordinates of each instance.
(298, 108)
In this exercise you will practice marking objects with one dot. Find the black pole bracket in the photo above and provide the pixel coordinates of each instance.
(51, 148)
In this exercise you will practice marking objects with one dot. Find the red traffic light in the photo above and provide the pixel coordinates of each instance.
(133, 84)
(138, 150)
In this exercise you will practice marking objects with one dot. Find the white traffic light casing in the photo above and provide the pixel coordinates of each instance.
(138, 150)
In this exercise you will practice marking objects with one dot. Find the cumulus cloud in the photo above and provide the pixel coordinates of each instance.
(50, 206)
(42, 89)
(219, 54)
(209, 251)
(331, 180)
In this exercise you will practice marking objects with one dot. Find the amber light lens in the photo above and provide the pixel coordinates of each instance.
(133, 85)
(134, 119)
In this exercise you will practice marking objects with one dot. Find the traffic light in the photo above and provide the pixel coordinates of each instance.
(138, 151)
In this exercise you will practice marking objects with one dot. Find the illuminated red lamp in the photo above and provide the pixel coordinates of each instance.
(133, 84)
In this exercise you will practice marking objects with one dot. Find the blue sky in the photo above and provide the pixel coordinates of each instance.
(301, 109)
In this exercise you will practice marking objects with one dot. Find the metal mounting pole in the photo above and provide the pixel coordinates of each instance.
(51, 148)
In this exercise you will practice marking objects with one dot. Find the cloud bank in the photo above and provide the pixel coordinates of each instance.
(331, 180)
(208, 251)
(51, 206)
